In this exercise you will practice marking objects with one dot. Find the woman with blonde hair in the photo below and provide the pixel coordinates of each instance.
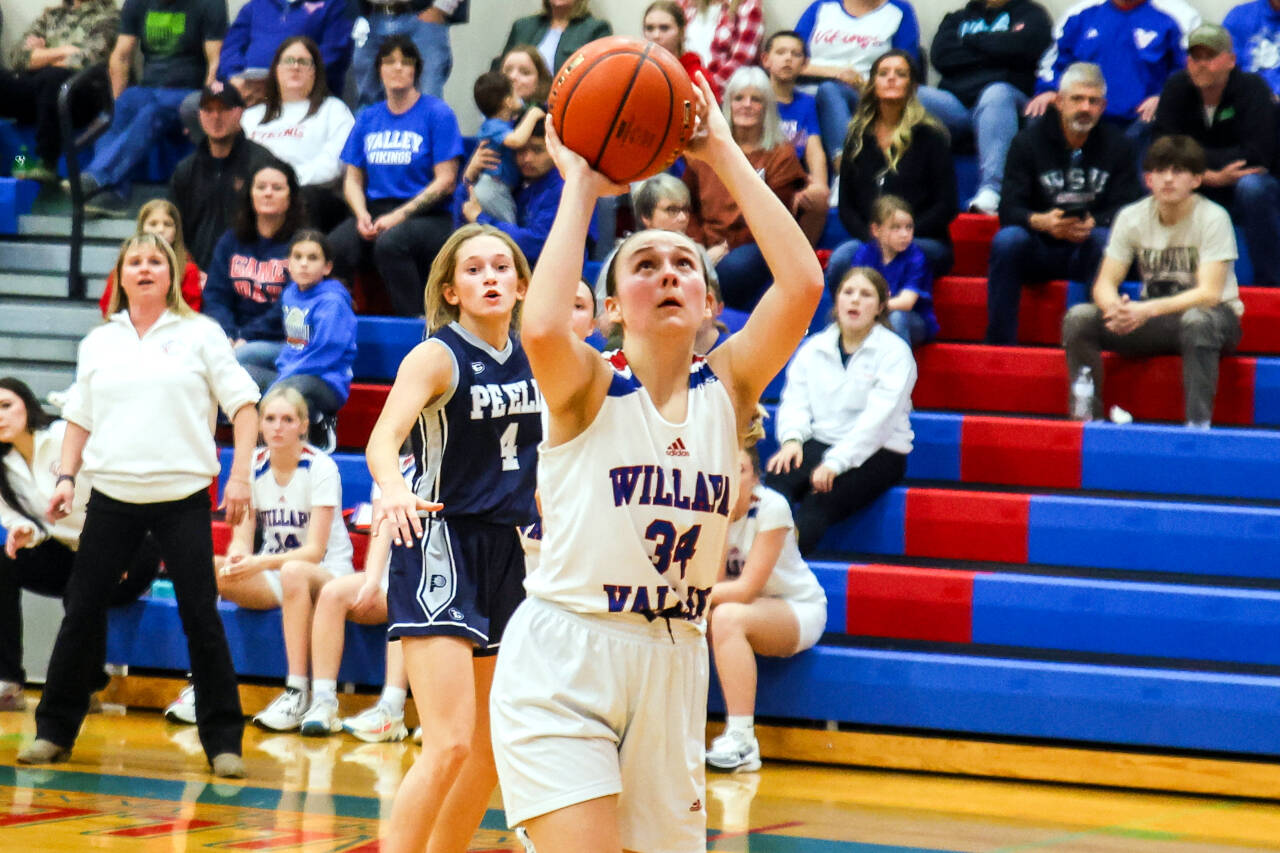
(725, 34)
(895, 147)
(140, 422)
(558, 30)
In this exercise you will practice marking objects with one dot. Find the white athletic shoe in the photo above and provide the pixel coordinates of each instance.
(321, 719)
(183, 709)
(376, 725)
(987, 202)
(284, 714)
(733, 751)
(417, 735)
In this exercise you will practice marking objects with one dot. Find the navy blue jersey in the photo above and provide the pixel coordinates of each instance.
(475, 449)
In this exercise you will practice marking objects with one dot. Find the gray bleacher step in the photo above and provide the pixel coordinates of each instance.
(48, 318)
(34, 348)
(36, 256)
(44, 284)
(42, 378)
(43, 225)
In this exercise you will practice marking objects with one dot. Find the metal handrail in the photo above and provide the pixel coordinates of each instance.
(72, 144)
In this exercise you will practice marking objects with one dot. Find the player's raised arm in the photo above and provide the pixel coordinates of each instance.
(565, 367)
(755, 354)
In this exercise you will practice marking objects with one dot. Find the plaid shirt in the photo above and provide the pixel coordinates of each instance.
(92, 26)
(736, 41)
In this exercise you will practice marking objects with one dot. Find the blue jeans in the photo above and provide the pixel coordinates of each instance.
(259, 354)
(993, 122)
(937, 253)
(143, 115)
(744, 277)
(837, 101)
(1020, 255)
(1256, 207)
(432, 41)
(909, 326)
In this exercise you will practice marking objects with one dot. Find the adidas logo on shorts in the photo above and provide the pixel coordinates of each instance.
(677, 448)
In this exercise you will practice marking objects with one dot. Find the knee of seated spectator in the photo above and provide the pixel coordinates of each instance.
(728, 620)
(1081, 321)
(295, 577)
(1197, 327)
(997, 95)
(1011, 240)
(1254, 189)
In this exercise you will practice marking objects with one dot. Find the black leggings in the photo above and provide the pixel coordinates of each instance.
(113, 531)
(850, 492)
(45, 570)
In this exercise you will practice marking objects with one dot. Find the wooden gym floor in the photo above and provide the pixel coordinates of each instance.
(137, 783)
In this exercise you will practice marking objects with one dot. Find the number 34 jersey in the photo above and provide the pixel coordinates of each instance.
(475, 448)
(635, 508)
(283, 512)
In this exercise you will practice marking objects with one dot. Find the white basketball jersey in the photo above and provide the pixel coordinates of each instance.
(636, 509)
(283, 512)
(791, 578)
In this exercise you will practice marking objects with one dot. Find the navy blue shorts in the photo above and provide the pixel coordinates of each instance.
(464, 578)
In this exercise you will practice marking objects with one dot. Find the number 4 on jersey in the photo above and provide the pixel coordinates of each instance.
(507, 448)
(669, 547)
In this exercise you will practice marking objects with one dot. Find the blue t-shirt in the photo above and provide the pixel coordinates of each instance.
(398, 153)
(1255, 33)
(799, 120)
(908, 271)
(493, 131)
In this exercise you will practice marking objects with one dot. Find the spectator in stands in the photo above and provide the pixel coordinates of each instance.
(894, 146)
(1231, 114)
(297, 513)
(160, 217)
(507, 127)
(536, 200)
(64, 39)
(725, 34)
(206, 185)
(319, 337)
(248, 273)
(38, 555)
(148, 384)
(424, 22)
(1185, 249)
(893, 253)
(1136, 43)
(844, 420)
(1066, 176)
(767, 602)
(558, 30)
(784, 60)
(402, 167)
(716, 217)
(987, 55)
(844, 37)
(304, 125)
(359, 598)
(261, 27)
(664, 25)
(179, 41)
(527, 70)
(1255, 33)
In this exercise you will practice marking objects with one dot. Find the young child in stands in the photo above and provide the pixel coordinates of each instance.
(504, 131)
(160, 216)
(784, 58)
(892, 252)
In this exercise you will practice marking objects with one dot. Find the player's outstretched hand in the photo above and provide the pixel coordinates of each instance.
(401, 510)
(711, 133)
(572, 166)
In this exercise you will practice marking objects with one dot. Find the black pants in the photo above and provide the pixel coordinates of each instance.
(850, 492)
(402, 255)
(31, 97)
(45, 570)
(112, 533)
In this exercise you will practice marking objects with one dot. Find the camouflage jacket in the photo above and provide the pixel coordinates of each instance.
(92, 26)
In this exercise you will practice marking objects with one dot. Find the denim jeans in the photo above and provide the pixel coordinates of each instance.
(1019, 256)
(744, 277)
(909, 326)
(259, 354)
(837, 101)
(432, 41)
(143, 116)
(993, 122)
(1256, 207)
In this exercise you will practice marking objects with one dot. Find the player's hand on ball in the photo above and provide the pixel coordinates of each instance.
(710, 128)
(572, 166)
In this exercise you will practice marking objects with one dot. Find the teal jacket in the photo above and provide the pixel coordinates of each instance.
(531, 29)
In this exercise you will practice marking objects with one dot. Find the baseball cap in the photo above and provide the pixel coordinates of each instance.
(1212, 36)
(227, 94)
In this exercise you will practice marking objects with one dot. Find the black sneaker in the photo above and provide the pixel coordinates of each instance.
(108, 204)
(324, 433)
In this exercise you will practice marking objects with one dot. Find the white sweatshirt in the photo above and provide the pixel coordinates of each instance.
(150, 405)
(311, 145)
(34, 486)
(856, 408)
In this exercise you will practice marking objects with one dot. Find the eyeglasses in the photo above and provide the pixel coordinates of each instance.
(297, 61)
(674, 209)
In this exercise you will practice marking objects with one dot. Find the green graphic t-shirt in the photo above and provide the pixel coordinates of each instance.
(172, 34)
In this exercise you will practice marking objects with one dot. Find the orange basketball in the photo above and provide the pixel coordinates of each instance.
(625, 105)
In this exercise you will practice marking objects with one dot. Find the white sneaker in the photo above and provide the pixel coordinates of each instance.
(11, 697)
(321, 719)
(376, 725)
(183, 709)
(986, 201)
(733, 751)
(417, 735)
(284, 714)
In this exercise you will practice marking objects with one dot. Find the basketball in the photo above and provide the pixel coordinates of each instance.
(624, 105)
